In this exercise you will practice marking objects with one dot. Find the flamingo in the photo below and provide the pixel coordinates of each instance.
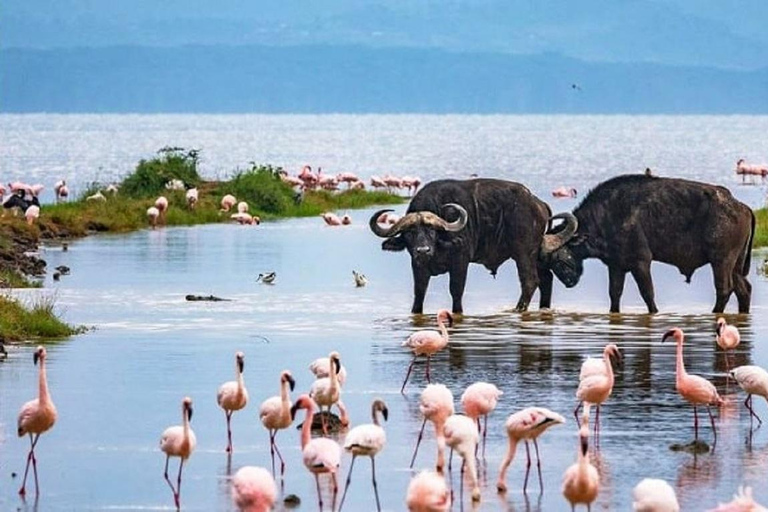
(321, 455)
(346, 220)
(377, 182)
(242, 207)
(36, 189)
(36, 417)
(192, 195)
(728, 338)
(479, 399)
(428, 492)
(753, 380)
(654, 495)
(527, 425)
(595, 388)
(179, 441)
(564, 192)
(321, 367)
(275, 414)
(581, 480)
(427, 342)
(327, 392)
(695, 389)
(152, 215)
(253, 489)
(462, 436)
(367, 440)
(436, 405)
(245, 219)
(98, 196)
(742, 502)
(32, 213)
(331, 219)
(227, 202)
(61, 190)
(233, 396)
(161, 203)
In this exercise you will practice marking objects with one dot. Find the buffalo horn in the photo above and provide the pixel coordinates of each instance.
(415, 218)
(374, 224)
(553, 242)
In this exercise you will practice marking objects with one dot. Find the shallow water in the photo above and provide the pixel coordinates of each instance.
(119, 386)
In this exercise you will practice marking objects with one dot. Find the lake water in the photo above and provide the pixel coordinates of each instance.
(118, 386)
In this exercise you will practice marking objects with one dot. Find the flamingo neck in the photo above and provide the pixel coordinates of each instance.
(240, 382)
(375, 416)
(680, 364)
(185, 422)
(334, 378)
(443, 329)
(285, 395)
(306, 429)
(608, 366)
(44, 396)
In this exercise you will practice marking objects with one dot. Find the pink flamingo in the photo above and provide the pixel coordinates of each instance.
(695, 389)
(242, 207)
(152, 215)
(428, 492)
(179, 441)
(462, 436)
(595, 388)
(564, 192)
(227, 202)
(427, 343)
(347, 177)
(753, 380)
(292, 181)
(275, 414)
(581, 480)
(742, 502)
(61, 190)
(245, 219)
(321, 455)
(308, 178)
(233, 396)
(346, 220)
(32, 213)
(728, 338)
(253, 489)
(654, 495)
(436, 405)
(367, 440)
(377, 182)
(321, 367)
(527, 425)
(192, 195)
(327, 392)
(743, 168)
(331, 219)
(479, 399)
(161, 203)
(35, 417)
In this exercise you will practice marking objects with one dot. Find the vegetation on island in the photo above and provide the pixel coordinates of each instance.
(761, 228)
(33, 321)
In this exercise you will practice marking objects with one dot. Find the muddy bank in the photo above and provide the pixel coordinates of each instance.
(18, 245)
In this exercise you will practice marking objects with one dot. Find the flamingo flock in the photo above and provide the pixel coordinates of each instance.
(307, 179)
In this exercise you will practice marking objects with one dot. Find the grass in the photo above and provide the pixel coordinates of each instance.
(11, 279)
(761, 228)
(35, 321)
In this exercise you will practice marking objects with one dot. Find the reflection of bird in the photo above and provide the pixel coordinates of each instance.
(267, 278)
(327, 390)
(462, 436)
(428, 492)
(742, 502)
(728, 338)
(233, 396)
(427, 343)
(436, 405)
(35, 417)
(479, 399)
(367, 440)
(360, 279)
(753, 380)
(596, 387)
(321, 455)
(654, 495)
(695, 389)
(179, 441)
(581, 480)
(526, 425)
(253, 489)
(275, 414)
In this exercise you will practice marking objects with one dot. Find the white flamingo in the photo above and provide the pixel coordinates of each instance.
(327, 392)
(275, 414)
(233, 396)
(179, 441)
(462, 436)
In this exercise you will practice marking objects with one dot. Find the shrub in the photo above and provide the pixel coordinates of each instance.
(150, 176)
(263, 189)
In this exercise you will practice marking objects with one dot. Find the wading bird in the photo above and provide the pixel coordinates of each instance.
(428, 492)
(233, 396)
(253, 489)
(367, 440)
(179, 441)
(654, 495)
(526, 425)
(728, 338)
(436, 405)
(35, 417)
(596, 387)
(754, 381)
(581, 480)
(427, 342)
(320, 455)
(462, 436)
(275, 414)
(479, 399)
(695, 389)
(360, 279)
(327, 392)
(267, 278)
(742, 502)
(321, 367)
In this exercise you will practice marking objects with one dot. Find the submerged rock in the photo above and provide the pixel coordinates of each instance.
(334, 423)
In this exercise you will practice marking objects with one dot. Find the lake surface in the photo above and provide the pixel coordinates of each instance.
(119, 386)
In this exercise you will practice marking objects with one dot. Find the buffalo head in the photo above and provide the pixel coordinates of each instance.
(417, 231)
(558, 253)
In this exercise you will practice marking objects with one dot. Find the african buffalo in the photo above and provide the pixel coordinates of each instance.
(452, 223)
(629, 221)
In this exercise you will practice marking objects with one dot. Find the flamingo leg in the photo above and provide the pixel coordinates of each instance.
(485, 433)
(450, 460)
(538, 466)
(375, 486)
(408, 374)
(695, 425)
(748, 403)
(597, 423)
(30, 458)
(527, 466)
(165, 474)
(418, 442)
(178, 484)
(349, 480)
(478, 445)
(428, 358)
(576, 412)
(229, 432)
(319, 494)
(280, 455)
(335, 489)
(712, 421)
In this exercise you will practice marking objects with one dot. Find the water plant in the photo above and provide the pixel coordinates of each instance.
(36, 319)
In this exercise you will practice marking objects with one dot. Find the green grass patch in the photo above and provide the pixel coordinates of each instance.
(12, 279)
(34, 321)
(761, 228)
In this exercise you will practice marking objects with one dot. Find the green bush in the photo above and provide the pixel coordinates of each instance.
(263, 190)
(150, 176)
(36, 320)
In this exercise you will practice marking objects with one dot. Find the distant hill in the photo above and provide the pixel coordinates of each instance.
(316, 79)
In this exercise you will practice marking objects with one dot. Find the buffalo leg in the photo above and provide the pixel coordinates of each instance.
(743, 290)
(458, 279)
(420, 283)
(616, 279)
(723, 284)
(642, 275)
(545, 288)
(529, 281)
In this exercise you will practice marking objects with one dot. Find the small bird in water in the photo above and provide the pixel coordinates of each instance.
(56, 276)
(267, 278)
(63, 269)
(360, 279)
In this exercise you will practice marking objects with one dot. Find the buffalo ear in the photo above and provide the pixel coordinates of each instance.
(393, 244)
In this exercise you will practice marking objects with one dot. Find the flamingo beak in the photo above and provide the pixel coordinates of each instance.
(385, 413)
(291, 382)
(450, 320)
(240, 364)
(294, 408)
(189, 413)
(36, 357)
(584, 445)
(667, 334)
(618, 356)
(338, 364)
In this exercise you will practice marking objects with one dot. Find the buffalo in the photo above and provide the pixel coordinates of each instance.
(629, 221)
(452, 223)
